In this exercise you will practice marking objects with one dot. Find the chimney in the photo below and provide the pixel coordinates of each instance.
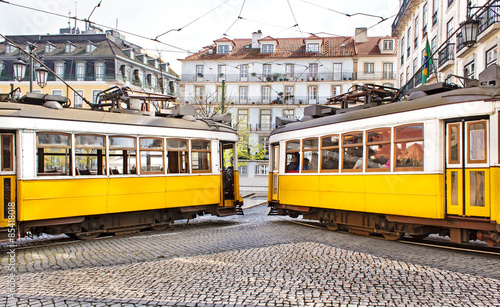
(255, 39)
(361, 35)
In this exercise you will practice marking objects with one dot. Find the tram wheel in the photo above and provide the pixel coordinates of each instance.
(86, 235)
(393, 236)
(159, 227)
(332, 227)
(419, 237)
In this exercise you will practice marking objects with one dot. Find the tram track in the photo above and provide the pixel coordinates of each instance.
(440, 243)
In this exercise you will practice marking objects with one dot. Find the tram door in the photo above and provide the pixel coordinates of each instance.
(467, 169)
(228, 154)
(273, 174)
(7, 179)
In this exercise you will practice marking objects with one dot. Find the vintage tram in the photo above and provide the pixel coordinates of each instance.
(126, 164)
(426, 164)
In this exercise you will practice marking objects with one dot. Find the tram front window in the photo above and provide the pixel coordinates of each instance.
(122, 155)
(90, 155)
(53, 154)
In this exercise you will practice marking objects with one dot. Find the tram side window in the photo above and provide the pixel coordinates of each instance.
(330, 153)
(90, 155)
(310, 152)
(352, 155)
(7, 153)
(122, 155)
(409, 147)
(151, 155)
(378, 147)
(177, 154)
(292, 156)
(53, 154)
(200, 155)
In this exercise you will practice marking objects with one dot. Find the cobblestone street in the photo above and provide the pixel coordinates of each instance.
(247, 260)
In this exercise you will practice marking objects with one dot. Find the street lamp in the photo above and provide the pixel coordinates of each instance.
(42, 74)
(469, 31)
(20, 69)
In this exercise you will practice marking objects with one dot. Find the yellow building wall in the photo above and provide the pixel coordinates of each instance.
(408, 195)
(47, 199)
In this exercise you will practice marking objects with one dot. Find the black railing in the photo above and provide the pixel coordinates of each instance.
(446, 54)
(400, 14)
(489, 16)
(277, 77)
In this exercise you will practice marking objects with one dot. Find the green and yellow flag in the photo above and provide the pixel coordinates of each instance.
(427, 65)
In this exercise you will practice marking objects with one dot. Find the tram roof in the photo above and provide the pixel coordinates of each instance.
(446, 98)
(22, 110)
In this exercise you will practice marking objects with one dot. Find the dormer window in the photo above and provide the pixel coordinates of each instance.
(267, 48)
(388, 44)
(49, 48)
(69, 47)
(223, 49)
(9, 49)
(313, 47)
(90, 47)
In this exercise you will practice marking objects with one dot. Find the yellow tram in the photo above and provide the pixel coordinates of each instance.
(118, 168)
(426, 164)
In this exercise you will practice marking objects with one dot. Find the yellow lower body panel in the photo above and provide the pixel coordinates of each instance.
(396, 194)
(495, 194)
(47, 199)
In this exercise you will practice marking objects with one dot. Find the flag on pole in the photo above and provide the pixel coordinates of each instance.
(428, 64)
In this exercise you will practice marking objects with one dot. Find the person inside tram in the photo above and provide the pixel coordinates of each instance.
(293, 166)
(305, 164)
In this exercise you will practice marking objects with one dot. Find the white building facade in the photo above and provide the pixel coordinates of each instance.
(266, 77)
(440, 21)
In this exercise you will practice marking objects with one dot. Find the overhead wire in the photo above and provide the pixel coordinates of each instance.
(237, 18)
(296, 23)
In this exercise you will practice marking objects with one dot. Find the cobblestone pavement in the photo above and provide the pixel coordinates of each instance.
(250, 260)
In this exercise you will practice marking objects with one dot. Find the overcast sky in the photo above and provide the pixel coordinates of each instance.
(202, 21)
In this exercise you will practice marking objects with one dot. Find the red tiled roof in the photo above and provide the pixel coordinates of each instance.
(223, 40)
(267, 38)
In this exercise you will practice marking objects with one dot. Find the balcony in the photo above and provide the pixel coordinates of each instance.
(380, 75)
(297, 77)
(446, 57)
(257, 100)
(402, 14)
(66, 77)
(267, 127)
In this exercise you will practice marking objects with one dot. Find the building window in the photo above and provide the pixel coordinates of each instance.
(266, 94)
(264, 144)
(409, 43)
(336, 90)
(242, 169)
(243, 94)
(57, 92)
(244, 72)
(199, 71)
(223, 49)
(369, 68)
(177, 155)
(469, 70)
(199, 93)
(80, 71)
(266, 70)
(402, 50)
(221, 72)
(122, 155)
(90, 155)
(337, 71)
(289, 96)
(53, 154)
(388, 44)
(89, 47)
(449, 28)
(69, 47)
(9, 48)
(313, 71)
(409, 147)
(311, 158)
(312, 94)
(401, 80)
(378, 146)
(59, 68)
(330, 153)
(151, 155)
(77, 100)
(242, 119)
(261, 169)
(94, 95)
(387, 71)
(434, 12)
(265, 120)
(415, 38)
(408, 74)
(288, 113)
(200, 154)
(267, 48)
(99, 71)
(450, 2)
(491, 56)
(415, 65)
(352, 155)
(49, 48)
(290, 70)
(313, 47)
(424, 21)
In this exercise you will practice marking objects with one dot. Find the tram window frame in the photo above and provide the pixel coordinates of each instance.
(201, 153)
(458, 141)
(275, 157)
(310, 150)
(289, 154)
(484, 142)
(178, 151)
(10, 150)
(414, 140)
(128, 155)
(153, 152)
(41, 155)
(332, 148)
(370, 164)
(349, 147)
(99, 155)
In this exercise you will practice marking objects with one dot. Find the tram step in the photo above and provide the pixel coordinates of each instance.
(273, 211)
(239, 210)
